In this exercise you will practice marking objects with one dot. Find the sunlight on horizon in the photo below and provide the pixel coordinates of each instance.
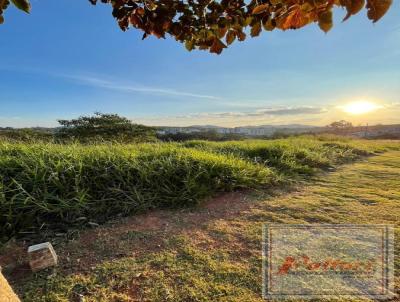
(360, 107)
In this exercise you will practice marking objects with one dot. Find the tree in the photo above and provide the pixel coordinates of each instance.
(214, 24)
(104, 127)
(341, 125)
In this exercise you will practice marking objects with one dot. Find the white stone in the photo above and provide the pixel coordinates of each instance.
(42, 256)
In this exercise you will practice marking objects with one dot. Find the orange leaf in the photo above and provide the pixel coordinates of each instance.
(217, 46)
(352, 7)
(296, 19)
(256, 29)
(230, 37)
(241, 35)
(377, 8)
(260, 9)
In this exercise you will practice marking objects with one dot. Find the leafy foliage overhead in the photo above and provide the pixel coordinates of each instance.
(21, 4)
(214, 24)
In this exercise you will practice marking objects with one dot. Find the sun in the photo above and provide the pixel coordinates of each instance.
(360, 107)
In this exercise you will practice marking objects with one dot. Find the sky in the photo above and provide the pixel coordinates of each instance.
(69, 58)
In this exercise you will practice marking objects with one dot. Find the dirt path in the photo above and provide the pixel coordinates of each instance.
(211, 253)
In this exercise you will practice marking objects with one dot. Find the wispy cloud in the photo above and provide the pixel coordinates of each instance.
(292, 110)
(116, 85)
(260, 112)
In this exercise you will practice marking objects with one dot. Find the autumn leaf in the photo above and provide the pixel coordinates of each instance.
(123, 24)
(352, 7)
(269, 25)
(189, 44)
(139, 11)
(217, 46)
(260, 9)
(325, 21)
(200, 27)
(377, 8)
(3, 5)
(166, 25)
(150, 5)
(256, 29)
(248, 21)
(230, 37)
(222, 32)
(135, 20)
(22, 5)
(297, 18)
(275, 2)
(241, 36)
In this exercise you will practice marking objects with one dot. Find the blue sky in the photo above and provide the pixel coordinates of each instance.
(69, 58)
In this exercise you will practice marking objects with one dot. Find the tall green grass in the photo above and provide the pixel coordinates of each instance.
(49, 185)
(57, 184)
(297, 155)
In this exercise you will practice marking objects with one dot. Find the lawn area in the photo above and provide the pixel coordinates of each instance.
(211, 252)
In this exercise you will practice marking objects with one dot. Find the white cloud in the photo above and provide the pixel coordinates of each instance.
(116, 85)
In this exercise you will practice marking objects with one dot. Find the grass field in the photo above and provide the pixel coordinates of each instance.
(48, 187)
(211, 252)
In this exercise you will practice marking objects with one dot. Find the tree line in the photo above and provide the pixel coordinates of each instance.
(110, 127)
(99, 127)
(105, 127)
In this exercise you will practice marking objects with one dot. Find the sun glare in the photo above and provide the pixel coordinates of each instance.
(360, 107)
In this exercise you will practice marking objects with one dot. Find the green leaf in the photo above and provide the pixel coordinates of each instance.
(22, 5)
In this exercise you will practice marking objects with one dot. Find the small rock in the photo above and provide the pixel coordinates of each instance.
(42, 256)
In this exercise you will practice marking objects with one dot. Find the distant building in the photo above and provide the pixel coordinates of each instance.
(390, 131)
(247, 131)
(176, 130)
